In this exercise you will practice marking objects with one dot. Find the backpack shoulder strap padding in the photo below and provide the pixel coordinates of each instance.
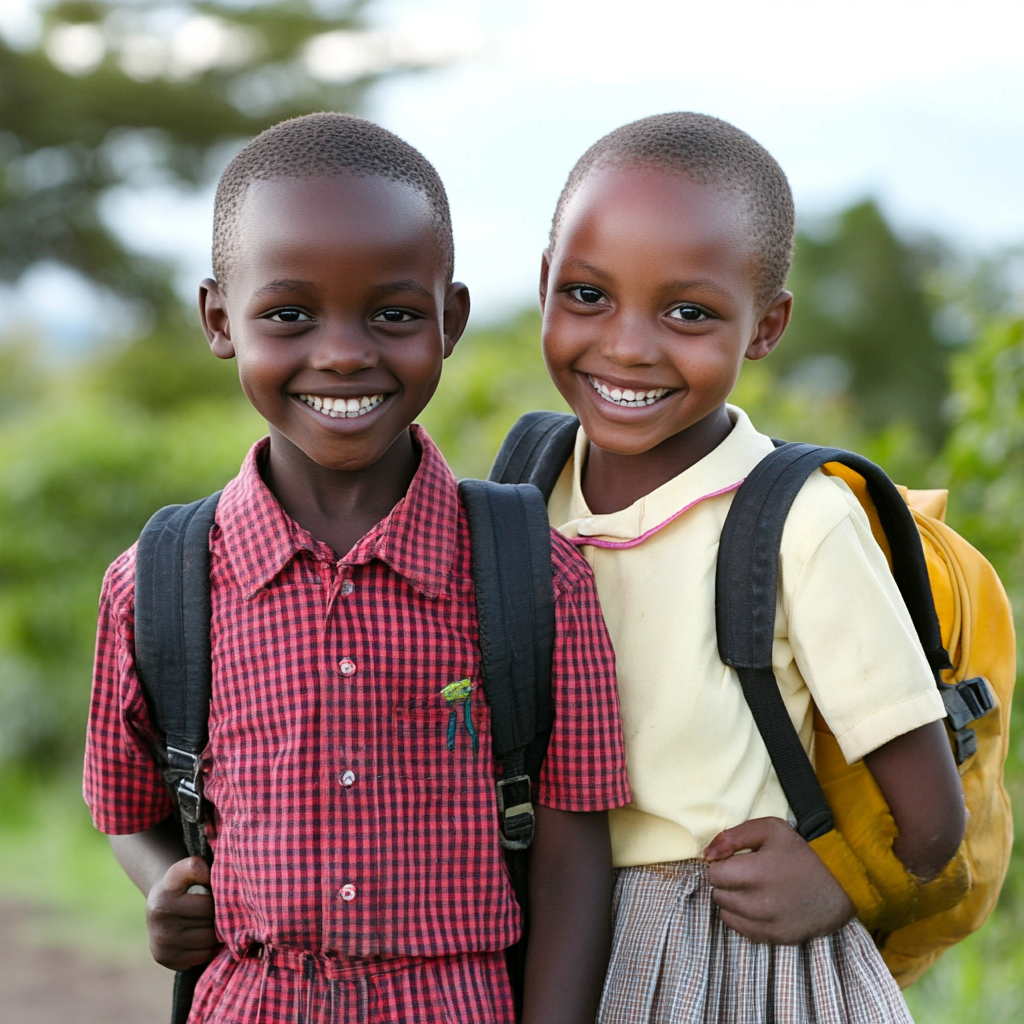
(172, 647)
(536, 450)
(746, 587)
(511, 554)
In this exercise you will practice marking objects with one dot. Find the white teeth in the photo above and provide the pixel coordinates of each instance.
(627, 397)
(342, 408)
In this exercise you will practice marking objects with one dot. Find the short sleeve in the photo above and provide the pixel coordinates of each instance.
(849, 628)
(122, 784)
(585, 767)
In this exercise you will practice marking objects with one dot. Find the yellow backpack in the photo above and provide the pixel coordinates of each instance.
(963, 617)
(914, 924)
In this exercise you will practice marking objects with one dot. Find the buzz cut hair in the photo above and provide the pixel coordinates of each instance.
(714, 153)
(324, 145)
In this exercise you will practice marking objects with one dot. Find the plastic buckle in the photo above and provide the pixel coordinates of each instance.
(516, 818)
(965, 745)
(190, 803)
(968, 700)
(189, 789)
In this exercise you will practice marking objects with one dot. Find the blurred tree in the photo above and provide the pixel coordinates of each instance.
(120, 93)
(863, 323)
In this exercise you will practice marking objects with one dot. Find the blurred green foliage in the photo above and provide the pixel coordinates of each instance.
(865, 323)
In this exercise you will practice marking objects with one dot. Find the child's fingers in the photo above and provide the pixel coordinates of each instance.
(186, 873)
(751, 835)
(750, 905)
(737, 874)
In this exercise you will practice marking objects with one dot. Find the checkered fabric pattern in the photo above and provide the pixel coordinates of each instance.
(354, 802)
(674, 960)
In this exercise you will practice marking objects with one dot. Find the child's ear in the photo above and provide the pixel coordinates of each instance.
(545, 270)
(771, 326)
(213, 311)
(456, 315)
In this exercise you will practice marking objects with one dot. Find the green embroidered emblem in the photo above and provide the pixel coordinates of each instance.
(455, 694)
(457, 691)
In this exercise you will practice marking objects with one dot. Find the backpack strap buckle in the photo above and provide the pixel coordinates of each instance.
(516, 818)
(965, 702)
(185, 781)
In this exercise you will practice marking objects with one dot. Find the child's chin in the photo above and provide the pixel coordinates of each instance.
(621, 438)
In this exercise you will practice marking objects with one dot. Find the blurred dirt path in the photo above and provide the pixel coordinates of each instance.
(54, 984)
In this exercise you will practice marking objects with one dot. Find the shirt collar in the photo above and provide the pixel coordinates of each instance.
(417, 539)
(720, 471)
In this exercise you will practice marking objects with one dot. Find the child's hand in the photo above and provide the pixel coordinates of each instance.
(180, 922)
(781, 892)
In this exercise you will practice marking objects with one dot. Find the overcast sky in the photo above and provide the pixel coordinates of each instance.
(919, 103)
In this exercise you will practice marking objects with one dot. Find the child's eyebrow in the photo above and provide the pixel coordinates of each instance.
(589, 268)
(284, 285)
(701, 282)
(402, 286)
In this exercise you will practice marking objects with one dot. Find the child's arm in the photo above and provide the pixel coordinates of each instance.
(783, 893)
(180, 922)
(570, 927)
(918, 778)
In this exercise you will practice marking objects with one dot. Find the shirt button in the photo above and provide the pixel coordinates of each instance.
(347, 587)
(347, 667)
(347, 779)
(586, 527)
(347, 893)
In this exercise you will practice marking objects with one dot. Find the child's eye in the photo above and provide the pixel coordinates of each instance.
(394, 316)
(689, 314)
(584, 293)
(289, 316)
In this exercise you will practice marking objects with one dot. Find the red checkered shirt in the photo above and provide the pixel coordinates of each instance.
(346, 824)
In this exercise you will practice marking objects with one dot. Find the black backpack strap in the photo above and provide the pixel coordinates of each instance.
(172, 656)
(172, 648)
(511, 557)
(536, 450)
(745, 599)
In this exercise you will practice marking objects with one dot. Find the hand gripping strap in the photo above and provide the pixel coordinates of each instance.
(746, 588)
(172, 648)
(511, 553)
(536, 450)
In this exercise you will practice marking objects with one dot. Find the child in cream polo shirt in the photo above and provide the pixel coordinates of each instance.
(669, 250)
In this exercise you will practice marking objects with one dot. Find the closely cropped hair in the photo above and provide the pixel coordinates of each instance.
(319, 145)
(710, 152)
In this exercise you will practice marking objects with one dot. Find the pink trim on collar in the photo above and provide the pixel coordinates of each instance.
(620, 545)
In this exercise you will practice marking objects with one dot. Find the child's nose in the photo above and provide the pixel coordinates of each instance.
(629, 341)
(344, 349)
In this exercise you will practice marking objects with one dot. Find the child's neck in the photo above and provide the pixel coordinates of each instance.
(339, 507)
(612, 482)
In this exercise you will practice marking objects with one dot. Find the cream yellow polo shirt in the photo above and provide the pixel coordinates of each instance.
(843, 638)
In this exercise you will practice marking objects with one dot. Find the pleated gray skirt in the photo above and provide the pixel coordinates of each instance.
(674, 962)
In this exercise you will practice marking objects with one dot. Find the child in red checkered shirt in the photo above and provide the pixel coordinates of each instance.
(357, 872)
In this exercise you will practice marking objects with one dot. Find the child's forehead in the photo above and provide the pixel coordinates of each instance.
(320, 220)
(343, 199)
(645, 196)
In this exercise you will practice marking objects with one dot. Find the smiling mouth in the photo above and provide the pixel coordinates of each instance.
(628, 397)
(342, 408)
